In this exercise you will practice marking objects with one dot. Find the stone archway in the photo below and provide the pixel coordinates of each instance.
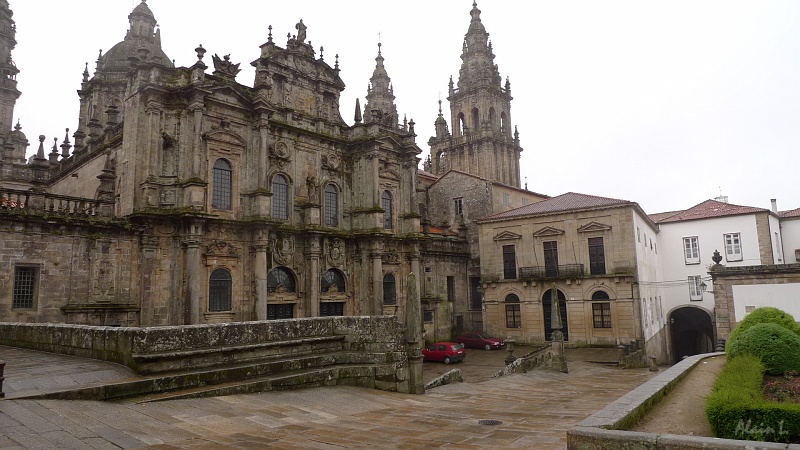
(692, 332)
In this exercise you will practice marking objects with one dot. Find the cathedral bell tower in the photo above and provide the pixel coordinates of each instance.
(482, 142)
(8, 70)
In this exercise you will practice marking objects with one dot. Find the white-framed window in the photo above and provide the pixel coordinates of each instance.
(691, 250)
(458, 206)
(733, 247)
(695, 291)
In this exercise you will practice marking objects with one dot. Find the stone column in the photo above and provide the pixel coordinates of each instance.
(376, 305)
(260, 248)
(149, 247)
(194, 286)
(153, 111)
(363, 279)
(414, 337)
(313, 253)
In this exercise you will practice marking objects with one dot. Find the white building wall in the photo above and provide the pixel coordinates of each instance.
(790, 234)
(776, 240)
(781, 296)
(648, 268)
(710, 235)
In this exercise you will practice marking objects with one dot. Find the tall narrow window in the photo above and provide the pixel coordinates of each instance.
(386, 204)
(222, 184)
(601, 314)
(691, 250)
(476, 119)
(733, 247)
(219, 290)
(597, 256)
(513, 313)
(451, 288)
(331, 205)
(509, 262)
(695, 290)
(389, 289)
(778, 249)
(24, 287)
(550, 258)
(475, 300)
(458, 207)
(280, 197)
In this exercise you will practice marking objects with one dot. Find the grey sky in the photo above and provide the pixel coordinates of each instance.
(660, 102)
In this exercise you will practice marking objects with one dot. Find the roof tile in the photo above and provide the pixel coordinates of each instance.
(564, 202)
(710, 209)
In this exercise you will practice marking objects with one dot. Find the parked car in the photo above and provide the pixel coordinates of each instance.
(448, 352)
(480, 340)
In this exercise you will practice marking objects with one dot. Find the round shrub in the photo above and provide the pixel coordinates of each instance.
(764, 314)
(778, 348)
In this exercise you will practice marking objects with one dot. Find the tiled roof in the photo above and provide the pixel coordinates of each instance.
(564, 202)
(790, 213)
(658, 217)
(710, 209)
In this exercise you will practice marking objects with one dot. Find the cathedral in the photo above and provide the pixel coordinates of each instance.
(187, 197)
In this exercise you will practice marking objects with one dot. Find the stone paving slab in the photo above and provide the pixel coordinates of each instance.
(535, 409)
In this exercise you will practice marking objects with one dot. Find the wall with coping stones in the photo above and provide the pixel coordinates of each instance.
(605, 429)
(375, 340)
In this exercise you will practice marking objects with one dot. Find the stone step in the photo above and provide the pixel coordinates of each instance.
(351, 375)
(182, 381)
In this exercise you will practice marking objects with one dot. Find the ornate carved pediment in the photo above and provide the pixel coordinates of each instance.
(225, 139)
(548, 231)
(223, 67)
(390, 175)
(593, 226)
(391, 254)
(507, 236)
(221, 248)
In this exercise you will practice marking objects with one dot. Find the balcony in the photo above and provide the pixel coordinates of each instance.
(554, 272)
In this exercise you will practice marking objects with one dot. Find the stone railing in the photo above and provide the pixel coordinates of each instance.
(44, 203)
(541, 357)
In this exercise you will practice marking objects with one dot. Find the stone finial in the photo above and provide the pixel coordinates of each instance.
(336, 65)
(54, 151)
(40, 151)
(717, 258)
(269, 37)
(321, 49)
(65, 146)
(201, 52)
(86, 73)
(358, 116)
(411, 124)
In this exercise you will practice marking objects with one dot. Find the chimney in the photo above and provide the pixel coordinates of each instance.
(774, 205)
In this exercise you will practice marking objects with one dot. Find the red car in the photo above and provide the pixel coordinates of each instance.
(444, 351)
(480, 340)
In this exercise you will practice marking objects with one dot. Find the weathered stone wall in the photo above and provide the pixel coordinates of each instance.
(376, 340)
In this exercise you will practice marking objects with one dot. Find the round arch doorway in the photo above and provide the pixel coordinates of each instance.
(547, 309)
(691, 331)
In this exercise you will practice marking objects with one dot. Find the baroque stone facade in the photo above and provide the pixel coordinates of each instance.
(187, 197)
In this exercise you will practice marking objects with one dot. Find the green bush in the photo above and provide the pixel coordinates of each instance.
(764, 314)
(778, 348)
(736, 408)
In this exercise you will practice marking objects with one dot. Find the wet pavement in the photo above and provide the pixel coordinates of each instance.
(534, 410)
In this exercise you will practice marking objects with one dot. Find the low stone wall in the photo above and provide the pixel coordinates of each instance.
(605, 429)
(163, 349)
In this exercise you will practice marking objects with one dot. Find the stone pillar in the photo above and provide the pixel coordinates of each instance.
(414, 337)
(196, 168)
(153, 111)
(376, 305)
(260, 268)
(363, 279)
(313, 253)
(194, 286)
(149, 247)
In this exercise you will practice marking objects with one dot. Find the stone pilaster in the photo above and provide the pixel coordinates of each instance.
(376, 263)
(260, 273)
(313, 253)
(194, 285)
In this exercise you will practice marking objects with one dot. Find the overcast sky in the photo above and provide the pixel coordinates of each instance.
(666, 103)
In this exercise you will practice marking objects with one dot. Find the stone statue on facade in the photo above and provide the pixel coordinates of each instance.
(301, 31)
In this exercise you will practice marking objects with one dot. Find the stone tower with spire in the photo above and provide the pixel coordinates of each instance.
(482, 141)
(8, 70)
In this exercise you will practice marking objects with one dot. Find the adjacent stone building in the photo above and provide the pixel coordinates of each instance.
(599, 254)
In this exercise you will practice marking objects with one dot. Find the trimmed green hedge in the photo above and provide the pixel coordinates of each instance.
(778, 348)
(764, 314)
(736, 408)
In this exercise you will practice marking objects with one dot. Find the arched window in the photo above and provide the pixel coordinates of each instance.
(600, 295)
(222, 184)
(503, 123)
(601, 311)
(389, 290)
(331, 205)
(280, 280)
(386, 203)
(492, 118)
(547, 307)
(332, 281)
(513, 313)
(462, 124)
(280, 197)
(476, 119)
(219, 290)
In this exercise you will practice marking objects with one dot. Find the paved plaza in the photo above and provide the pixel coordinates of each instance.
(535, 409)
